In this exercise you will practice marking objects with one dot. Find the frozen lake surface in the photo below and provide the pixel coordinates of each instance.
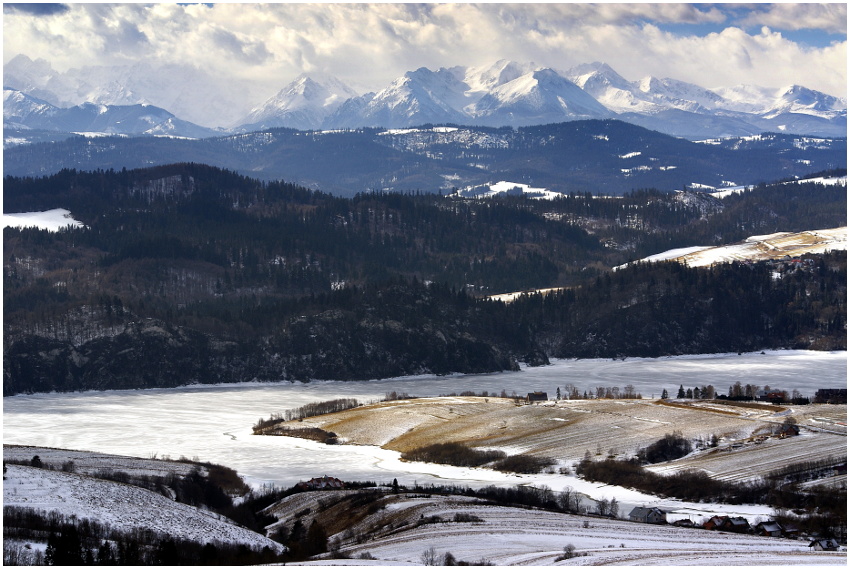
(213, 423)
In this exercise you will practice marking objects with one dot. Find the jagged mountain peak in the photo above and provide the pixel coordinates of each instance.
(537, 97)
(581, 74)
(486, 77)
(811, 98)
(303, 103)
(461, 94)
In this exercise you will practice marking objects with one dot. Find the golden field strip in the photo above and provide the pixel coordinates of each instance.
(566, 430)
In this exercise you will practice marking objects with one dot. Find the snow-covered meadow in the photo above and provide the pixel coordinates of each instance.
(758, 248)
(213, 423)
(120, 506)
(51, 220)
(511, 536)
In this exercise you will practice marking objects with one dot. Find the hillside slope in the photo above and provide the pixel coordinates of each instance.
(120, 506)
(566, 430)
(418, 528)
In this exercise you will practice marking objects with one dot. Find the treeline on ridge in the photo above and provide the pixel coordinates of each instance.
(225, 278)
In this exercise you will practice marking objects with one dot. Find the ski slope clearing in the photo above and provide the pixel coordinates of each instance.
(51, 220)
(511, 296)
(775, 246)
(121, 506)
(506, 189)
(401, 529)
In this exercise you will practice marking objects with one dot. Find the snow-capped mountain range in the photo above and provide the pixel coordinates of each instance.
(505, 93)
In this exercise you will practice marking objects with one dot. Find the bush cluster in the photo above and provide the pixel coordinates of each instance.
(671, 447)
(309, 433)
(455, 454)
(309, 410)
(524, 464)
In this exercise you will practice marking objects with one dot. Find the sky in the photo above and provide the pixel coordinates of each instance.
(369, 45)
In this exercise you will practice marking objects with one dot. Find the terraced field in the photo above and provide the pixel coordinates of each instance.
(399, 529)
(566, 430)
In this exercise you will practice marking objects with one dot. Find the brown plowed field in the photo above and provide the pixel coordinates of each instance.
(566, 430)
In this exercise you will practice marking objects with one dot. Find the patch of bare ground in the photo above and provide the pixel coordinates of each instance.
(566, 430)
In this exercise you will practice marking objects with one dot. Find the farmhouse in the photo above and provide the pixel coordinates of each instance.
(726, 523)
(770, 529)
(787, 430)
(771, 396)
(824, 544)
(737, 525)
(323, 483)
(648, 515)
(537, 396)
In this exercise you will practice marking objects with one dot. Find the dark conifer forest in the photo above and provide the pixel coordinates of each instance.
(192, 274)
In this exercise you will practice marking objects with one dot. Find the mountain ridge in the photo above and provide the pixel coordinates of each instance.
(600, 156)
(455, 95)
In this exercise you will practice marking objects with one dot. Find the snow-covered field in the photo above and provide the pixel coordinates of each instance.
(51, 220)
(512, 536)
(566, 430)
(759, 248)
(506, 188)
(121, 506)
(833, 181)
(213, 423)
(89, 463)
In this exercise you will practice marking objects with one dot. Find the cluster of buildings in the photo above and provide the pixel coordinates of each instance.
(735, 524)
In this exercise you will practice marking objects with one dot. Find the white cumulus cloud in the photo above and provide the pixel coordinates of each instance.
(264, 46)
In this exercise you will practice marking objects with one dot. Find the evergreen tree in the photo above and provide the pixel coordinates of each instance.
(65, 548)
(317, 539)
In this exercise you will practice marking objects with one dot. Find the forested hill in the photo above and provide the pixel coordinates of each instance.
(599, 156)
(187, 273)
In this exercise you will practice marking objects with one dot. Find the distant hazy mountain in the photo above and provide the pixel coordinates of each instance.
(185, 90)
(684, 109)
(22, 112)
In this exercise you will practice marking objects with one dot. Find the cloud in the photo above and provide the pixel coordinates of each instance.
(262, 47)
(831, 18)
(248, 50)
(35, 9)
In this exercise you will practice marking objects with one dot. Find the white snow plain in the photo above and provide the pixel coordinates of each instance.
(51, 220)
(213, 423)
